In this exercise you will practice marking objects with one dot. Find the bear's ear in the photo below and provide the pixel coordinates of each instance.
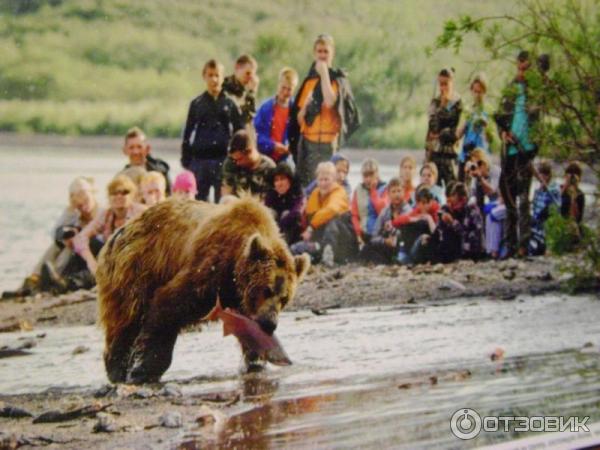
(256, 250)
(302, 263)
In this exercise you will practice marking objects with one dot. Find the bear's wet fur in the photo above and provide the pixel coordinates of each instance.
(165, 270)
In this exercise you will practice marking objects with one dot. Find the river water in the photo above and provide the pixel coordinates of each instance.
(362, 378)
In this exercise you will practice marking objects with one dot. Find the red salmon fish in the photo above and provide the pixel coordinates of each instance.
(250, 335)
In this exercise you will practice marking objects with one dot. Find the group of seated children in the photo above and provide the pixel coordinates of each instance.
(397, 222)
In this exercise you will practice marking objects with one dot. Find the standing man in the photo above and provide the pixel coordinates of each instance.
(137, 149)
(271, 121)
(242, 86)
(515, 119)
(212, 120)
(324, 111)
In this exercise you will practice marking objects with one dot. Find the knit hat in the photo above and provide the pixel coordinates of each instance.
(185, 182)
(339, 157)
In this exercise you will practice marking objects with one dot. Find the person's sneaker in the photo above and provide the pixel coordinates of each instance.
(50, 280)
(328, 257)
(402, 258)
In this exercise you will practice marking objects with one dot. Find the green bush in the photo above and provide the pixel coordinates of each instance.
(562, 234)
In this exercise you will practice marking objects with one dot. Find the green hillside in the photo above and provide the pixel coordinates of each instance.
(100, 66)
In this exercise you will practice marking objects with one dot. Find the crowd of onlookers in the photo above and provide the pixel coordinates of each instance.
(457, 204)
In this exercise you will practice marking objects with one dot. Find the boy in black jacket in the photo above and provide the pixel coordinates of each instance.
(212, 120)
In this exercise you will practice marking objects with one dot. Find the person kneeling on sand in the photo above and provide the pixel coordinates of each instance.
(55, 262)
(329, 234)
(122, 209)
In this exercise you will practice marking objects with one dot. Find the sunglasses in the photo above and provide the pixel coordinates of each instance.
(121, 192)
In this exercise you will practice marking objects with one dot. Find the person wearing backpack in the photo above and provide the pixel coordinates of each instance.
(323, 113)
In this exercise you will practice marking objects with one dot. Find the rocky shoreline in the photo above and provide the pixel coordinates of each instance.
(344, 286)
(172, 416)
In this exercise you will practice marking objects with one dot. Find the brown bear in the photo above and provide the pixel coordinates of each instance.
(165, 269)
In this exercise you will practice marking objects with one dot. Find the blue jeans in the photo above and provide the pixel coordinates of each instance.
(208, 173)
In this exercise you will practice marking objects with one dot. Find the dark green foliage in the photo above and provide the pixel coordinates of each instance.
(562, 234)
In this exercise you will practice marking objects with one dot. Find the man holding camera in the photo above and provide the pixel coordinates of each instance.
(515, 120)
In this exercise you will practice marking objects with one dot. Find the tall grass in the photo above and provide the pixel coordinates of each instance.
(98, 66)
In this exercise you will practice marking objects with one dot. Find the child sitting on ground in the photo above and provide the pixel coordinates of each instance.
(153, 188)
(368, 200)
(460, 232)
(185, 186)
(383, 247)
(329, 233)
(417, 226)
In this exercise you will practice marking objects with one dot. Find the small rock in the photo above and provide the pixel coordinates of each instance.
(546, 276)
(452, 284)
(170, 390)
(105, 391)
(589, 347)
(9, 442)
(142, 393)
(497, 354)
(508, 296)
(14, 412)
(171, 419)
(105, 424)
(80, 349)
(509, 275)
(461, 375)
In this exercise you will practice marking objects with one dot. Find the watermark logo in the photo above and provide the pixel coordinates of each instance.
(467, 423)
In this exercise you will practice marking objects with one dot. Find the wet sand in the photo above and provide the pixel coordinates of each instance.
(343, 286)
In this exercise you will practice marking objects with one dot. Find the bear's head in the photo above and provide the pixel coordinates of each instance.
(266, 279)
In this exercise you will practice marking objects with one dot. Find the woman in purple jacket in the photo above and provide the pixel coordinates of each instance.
(286, 199)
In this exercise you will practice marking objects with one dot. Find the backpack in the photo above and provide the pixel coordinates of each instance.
(351, 117)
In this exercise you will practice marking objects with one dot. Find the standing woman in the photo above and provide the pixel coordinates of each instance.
(323, 110)
(444, 114)
(477, 126)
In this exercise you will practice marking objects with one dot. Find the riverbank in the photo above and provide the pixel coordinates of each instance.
(218, 407)
(343, 286)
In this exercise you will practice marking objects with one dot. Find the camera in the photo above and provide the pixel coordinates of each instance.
(67, 233)
(572, 179)
(470, 166)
